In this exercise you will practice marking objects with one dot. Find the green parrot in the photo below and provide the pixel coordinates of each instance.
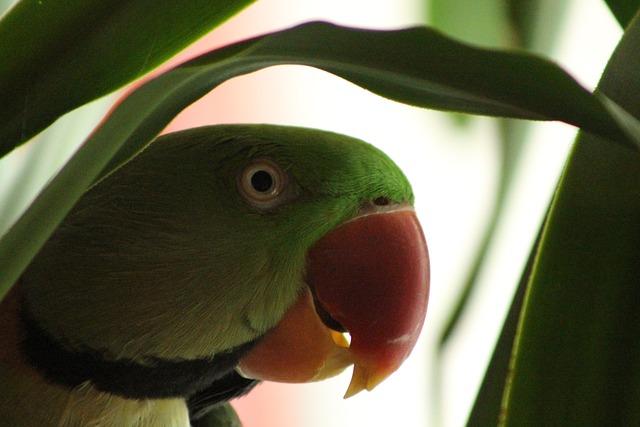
(216, 258)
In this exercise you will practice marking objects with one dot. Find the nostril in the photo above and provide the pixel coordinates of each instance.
(381, 201)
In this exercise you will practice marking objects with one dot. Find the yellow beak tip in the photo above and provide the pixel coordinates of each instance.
(364, 379)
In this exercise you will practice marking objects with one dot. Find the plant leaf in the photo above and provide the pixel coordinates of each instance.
(577, 355)
(56, 55)
(453, 76)
(417, 66)
(486, 408)
(628, 123)
(483, 23)
(623, 10)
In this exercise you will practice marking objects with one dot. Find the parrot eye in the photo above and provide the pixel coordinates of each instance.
(261, 183)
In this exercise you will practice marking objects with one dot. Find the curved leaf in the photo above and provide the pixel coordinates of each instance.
(577, 354)
(417, 66)
(421, 67)
(56, 55)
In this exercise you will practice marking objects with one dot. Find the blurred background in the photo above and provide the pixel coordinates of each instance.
(454, 163)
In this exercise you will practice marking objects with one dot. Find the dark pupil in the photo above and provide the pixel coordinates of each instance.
(262, 181)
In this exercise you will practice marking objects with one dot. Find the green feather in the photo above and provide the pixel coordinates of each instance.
(167, 258)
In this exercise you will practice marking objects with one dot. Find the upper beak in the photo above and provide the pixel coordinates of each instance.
(369, 277)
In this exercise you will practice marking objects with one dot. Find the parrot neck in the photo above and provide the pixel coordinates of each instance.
(151, 378)
(33, 400)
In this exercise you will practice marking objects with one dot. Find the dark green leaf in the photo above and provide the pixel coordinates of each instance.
(577, 359)
(486, 408)
(417, 66)
(623, 10)
(56, 55)
(437, 73)
(628, 123)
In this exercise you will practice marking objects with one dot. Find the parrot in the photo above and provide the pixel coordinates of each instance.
(216, 258)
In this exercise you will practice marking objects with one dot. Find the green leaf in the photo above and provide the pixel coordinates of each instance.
(417, 66)
(628, 123)
(537, 23)
(486, 408)
(623, 10)
(483, 23)
(421, 67)
(577, 356)
(25, 171)
(56, 55)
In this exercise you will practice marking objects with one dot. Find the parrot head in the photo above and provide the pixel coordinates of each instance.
(254, 248)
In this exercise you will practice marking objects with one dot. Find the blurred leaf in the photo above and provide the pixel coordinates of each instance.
(623, 10)
(483, 22)
(577, 355)
(56, 55)
(527, 17)
(537, 23)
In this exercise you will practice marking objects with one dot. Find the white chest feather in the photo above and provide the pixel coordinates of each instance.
(88, 407)
(42, 404)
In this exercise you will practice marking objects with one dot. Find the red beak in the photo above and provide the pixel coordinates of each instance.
(369, 277)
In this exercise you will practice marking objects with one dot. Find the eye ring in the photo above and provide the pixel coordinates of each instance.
(262, 183)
